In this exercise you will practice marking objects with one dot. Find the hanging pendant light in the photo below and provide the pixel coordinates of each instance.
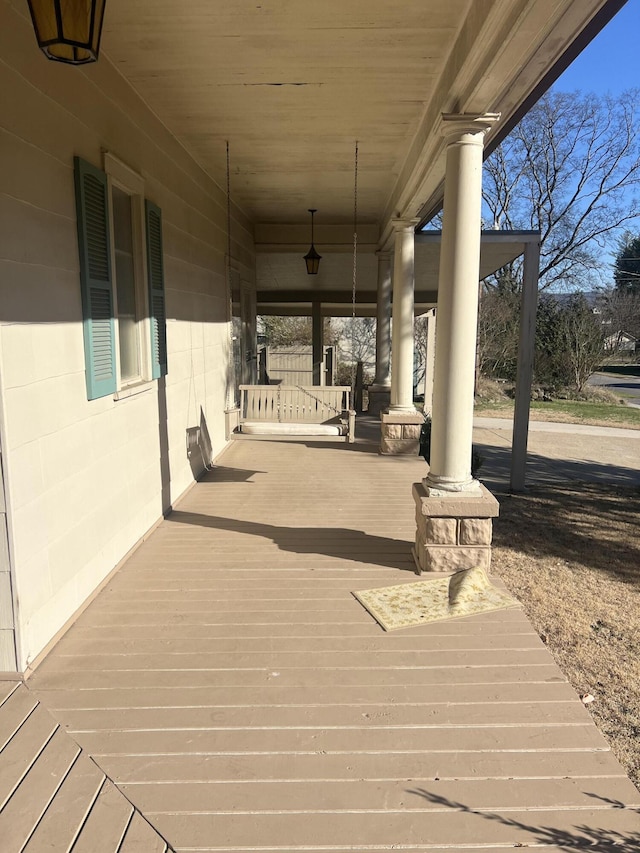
(312, 258)
(68, 30)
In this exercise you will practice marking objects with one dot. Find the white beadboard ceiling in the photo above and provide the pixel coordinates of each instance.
(292, 84)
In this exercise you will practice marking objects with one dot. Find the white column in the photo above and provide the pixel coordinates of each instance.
(430, 361)
(403, 304)
(383, 323)
(452, 417)
(317, 343)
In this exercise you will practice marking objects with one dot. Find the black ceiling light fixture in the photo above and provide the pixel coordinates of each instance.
(312, 258)
(68, 30)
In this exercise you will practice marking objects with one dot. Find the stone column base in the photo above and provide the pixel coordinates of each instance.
(453, 533)
(379, 399)
(400, 432)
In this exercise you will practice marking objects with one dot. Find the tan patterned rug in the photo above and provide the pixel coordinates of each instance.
(462, 594)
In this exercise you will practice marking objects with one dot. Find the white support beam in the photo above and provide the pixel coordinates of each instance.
(526, 352)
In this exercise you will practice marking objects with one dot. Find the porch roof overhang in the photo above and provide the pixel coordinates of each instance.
(284, 288)
(292, 86)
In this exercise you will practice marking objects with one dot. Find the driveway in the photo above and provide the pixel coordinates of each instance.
(625, 385)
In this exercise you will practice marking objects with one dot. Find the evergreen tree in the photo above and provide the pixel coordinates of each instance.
(627, 266)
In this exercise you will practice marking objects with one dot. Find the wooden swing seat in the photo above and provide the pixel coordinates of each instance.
(297, 410)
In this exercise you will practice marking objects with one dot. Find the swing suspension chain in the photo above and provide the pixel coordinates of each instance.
(231, 365)
(229, 215)
(355, 271)
(323, 403)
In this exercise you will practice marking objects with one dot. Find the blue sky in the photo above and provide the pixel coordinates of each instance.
(611, 63)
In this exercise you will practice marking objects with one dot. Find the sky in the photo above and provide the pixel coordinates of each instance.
(611, 62)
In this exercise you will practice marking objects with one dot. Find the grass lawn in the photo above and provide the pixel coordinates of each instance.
(567, 411)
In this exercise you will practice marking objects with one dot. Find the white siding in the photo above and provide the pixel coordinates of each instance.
(84, 480)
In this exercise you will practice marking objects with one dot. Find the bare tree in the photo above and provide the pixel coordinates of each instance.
(357, 340)
(293, 331)
(569, 341)
(498, 334)
(621, 313)
(420, 342)
(570, 170)
(583, 340)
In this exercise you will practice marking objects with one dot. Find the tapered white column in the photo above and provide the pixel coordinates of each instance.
(317, 343)
(429, 361)
(452, 417)
(403, 303)
(383, 323)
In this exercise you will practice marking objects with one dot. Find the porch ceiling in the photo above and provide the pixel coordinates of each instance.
(291, 86)
(284, 288)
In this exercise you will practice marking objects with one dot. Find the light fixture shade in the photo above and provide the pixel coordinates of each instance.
(68, 30)
(312, 260)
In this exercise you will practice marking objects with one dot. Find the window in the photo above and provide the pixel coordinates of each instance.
(126, 300)
(121, 270)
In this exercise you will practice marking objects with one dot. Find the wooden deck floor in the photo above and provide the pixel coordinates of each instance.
(53, 797)
(234, 690)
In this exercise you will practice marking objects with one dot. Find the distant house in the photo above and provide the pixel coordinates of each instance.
(622, 342)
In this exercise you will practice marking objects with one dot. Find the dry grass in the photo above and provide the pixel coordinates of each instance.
(568, 412)
(595, 406)
(571, 554)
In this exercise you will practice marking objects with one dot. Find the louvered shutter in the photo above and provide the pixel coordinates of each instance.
(155, 269)
(92, 206)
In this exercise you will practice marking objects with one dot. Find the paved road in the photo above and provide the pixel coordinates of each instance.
(626, 386)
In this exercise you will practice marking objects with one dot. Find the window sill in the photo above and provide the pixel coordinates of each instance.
(135, 389)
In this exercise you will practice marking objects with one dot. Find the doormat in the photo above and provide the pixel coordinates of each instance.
(462, 594)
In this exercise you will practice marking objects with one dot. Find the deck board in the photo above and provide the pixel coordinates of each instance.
(450, 823)
(49, 788)
(66, 814)
(352, 717)
(15, 710)
(456, 765)
(23, 750)
(140, 837)
(372, 796)
(229, 682)
(30, 801)
(6, 689)
(107, 823)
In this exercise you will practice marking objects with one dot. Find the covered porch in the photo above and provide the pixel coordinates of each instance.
(202, 137)
(232, 687)
(214, 664)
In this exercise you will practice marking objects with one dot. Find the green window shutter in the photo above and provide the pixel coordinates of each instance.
(157, 313)
(92, 206)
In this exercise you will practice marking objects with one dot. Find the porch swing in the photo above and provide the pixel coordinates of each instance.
(297, 410)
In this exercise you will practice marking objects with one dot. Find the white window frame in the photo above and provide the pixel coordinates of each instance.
(126, 179)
